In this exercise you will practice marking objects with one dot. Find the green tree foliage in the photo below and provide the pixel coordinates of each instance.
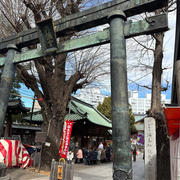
(132, 121)
(105, 109)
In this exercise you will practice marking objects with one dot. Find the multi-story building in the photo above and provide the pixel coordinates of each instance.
(141, 105)
(91, 95)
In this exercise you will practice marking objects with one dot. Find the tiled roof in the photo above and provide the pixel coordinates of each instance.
(16, 106)
(79, 110)
(92, 114)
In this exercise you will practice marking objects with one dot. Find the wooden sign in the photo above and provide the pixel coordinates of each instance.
(40, 137)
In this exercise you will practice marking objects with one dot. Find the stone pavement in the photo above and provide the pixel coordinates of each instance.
(25, 174)
(102, 171)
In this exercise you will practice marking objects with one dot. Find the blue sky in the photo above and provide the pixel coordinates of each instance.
(141, 91)
(24, 91)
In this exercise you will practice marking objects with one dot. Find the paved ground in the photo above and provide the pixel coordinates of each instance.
(104, 171)
(25, 174)
(81, 172)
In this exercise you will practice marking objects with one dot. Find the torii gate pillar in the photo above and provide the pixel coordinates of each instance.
(122, 163)
(6, 83)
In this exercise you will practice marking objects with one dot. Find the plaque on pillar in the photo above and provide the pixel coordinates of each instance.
(150, 148)
(47, 36)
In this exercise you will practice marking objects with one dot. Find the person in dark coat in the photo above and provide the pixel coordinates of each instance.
(108, 152)
(143, 155)
(134, 154)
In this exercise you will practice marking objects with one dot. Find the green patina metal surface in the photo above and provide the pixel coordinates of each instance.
(131, 29)
(138, 1)
(84, 20)
(122, 163)
(139, 27)
(6, 83)
(47, 36)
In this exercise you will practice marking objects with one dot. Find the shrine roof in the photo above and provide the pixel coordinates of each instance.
(90, 112)
(16, 106)
(79, 110)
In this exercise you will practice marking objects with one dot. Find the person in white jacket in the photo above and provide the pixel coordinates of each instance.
(70, 156)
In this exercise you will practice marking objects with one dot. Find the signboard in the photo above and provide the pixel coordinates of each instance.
(47, 36)
(60, 172)
(65, 138)
(140, 139)
(40, 137)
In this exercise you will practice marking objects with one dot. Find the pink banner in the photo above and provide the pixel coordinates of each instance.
(65, 138)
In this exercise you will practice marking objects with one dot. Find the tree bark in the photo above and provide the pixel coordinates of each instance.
(163, 152)
(53, 137)
(157, 73)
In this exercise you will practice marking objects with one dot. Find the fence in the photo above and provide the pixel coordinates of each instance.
(61, 171)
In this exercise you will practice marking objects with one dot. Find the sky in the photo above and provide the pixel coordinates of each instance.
(133, 75)
(142, 76)
(169, 42)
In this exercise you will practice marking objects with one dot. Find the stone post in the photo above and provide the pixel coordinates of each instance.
(150, 148)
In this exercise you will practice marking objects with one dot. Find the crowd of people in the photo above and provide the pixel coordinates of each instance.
(91, 155)
(94, 154)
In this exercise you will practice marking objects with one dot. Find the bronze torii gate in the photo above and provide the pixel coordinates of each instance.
(114, 13)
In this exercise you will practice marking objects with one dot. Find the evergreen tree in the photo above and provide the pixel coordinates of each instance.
(105, 109)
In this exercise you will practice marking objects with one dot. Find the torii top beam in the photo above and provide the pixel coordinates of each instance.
(84, 20)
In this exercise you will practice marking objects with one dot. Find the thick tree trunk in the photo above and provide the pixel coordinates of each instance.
(56, 93)
(54, 131)
(163, 150)
(163, 154)
(157, 74)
